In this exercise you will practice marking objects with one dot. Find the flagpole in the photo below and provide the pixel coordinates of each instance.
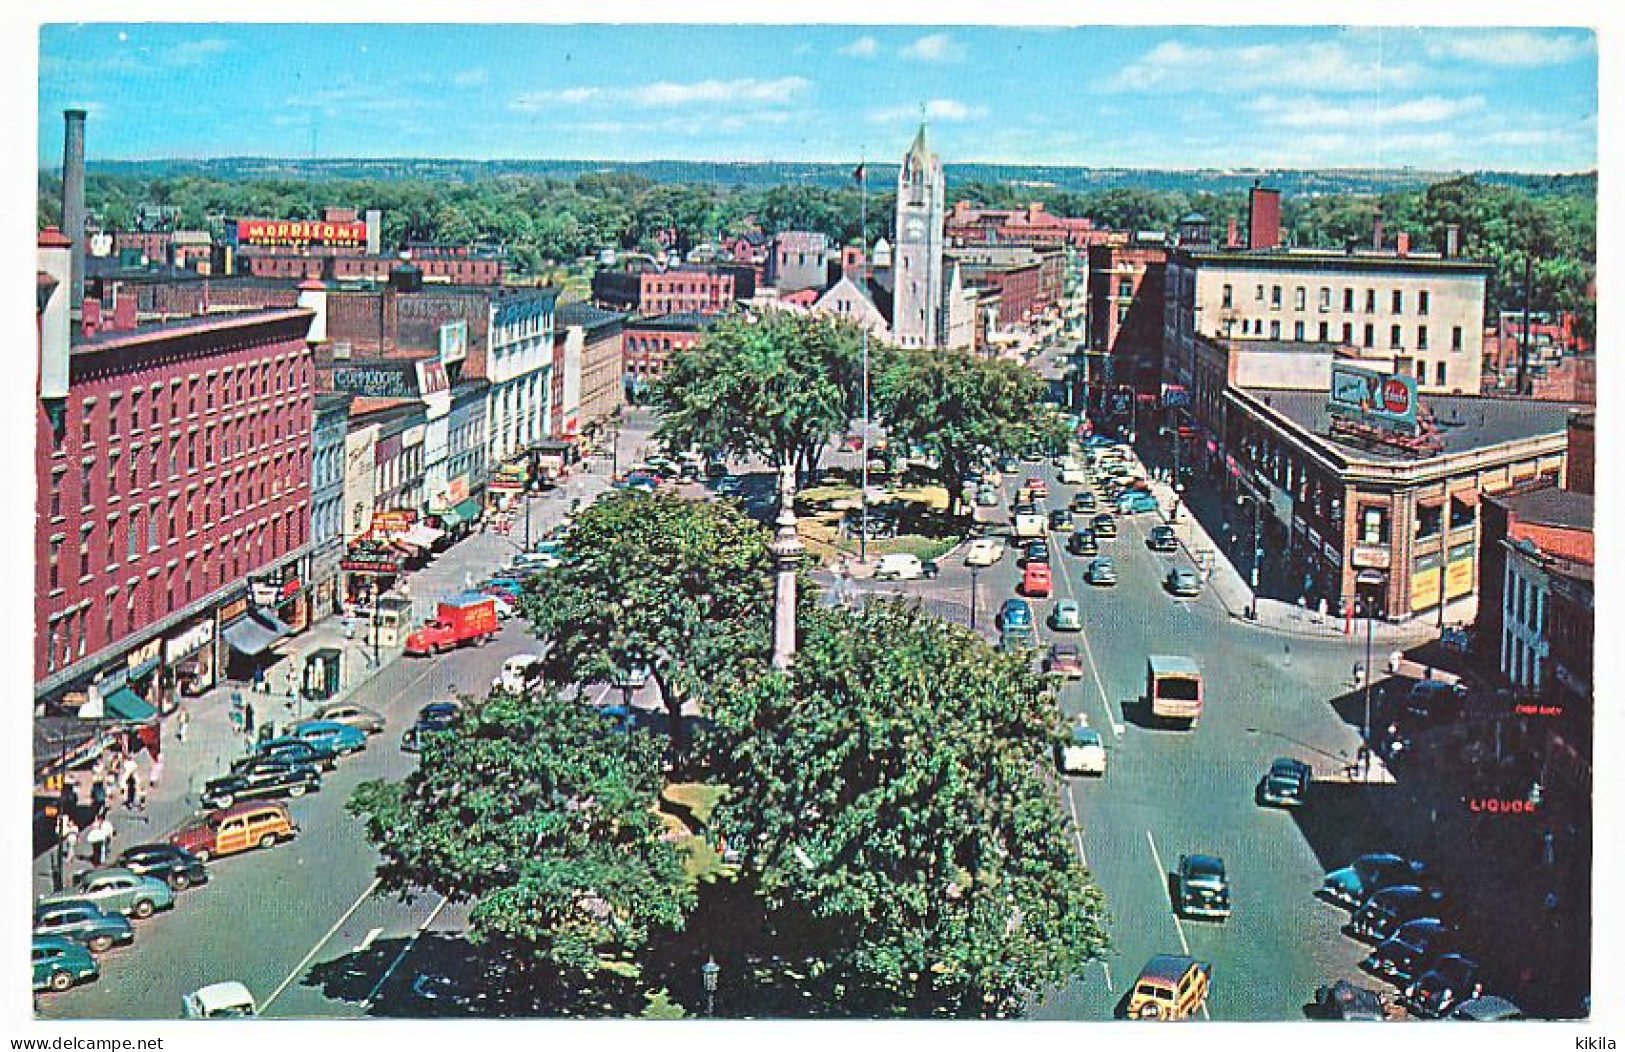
(863, 277)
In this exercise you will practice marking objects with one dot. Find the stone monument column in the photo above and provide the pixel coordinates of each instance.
(787, 552)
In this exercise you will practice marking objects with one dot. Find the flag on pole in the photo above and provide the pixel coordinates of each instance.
(858, 173)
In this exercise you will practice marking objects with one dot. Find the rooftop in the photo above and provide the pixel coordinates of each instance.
(679, 320)
(1363, 260)
(1465, 422)
(106, 339)
(585, 315)
(1551, 506)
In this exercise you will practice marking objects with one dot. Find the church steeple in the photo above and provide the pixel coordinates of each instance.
(919, 156)
(917, 312)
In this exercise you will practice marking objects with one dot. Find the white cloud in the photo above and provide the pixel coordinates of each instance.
(193, 52)
(470, 78)
(936, 110)
(1310, 112)
(1327, 66)
(1512, 47)
(934, 47)
(864, 47)
(667, 94)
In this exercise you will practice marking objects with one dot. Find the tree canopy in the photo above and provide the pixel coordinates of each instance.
(889, 785)
(777, 385)
(532, 810)
(683, 587)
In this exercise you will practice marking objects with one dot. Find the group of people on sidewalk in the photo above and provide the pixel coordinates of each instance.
(120, 774)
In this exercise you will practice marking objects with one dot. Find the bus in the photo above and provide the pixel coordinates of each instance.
(1173, 688)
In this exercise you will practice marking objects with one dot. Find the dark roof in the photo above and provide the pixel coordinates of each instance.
(1282, 346)
(333, 400)
(106, 338)
(1465, 422)
(683, 320)
(881, 294)
(1327, 261)
(585, 315)
(1551, 506)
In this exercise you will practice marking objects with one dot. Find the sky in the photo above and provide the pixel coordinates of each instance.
(1521, 99)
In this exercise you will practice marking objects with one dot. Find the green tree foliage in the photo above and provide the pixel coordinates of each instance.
(681, 586)
(890, 786)
(778, 385)
(531, 810)
(960, 407)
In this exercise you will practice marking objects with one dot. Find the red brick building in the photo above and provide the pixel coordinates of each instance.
(648, 342)
(173, 470)
(1032, 226)
(1125, 305)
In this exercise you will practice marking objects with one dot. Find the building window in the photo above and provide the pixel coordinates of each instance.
(1325, 298)
(1275, 330)
(1455, 338)
(132, 532)
(1399, 301)
(1371, 301)
(1370, 335)
(84, 556)
(1297, 331)
(1393, 337)
(1348, 301)
(54, 575)
(1298, 298)
(1373, 526)
(1275, 297)
(1258, 295)
(1229, 298)
(1421, 337)
(152, 525)
(1125, 288)
(1429, 520)
(1348, 333)
(85, 437)
(1462, 514)
(1325, 332)
(135, 410)
(108, 612)
(112, 548)
(1438, 374)
(1422, 301)
(56, 494)
(1422, 372)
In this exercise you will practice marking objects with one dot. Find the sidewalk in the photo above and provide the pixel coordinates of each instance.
(212, 741)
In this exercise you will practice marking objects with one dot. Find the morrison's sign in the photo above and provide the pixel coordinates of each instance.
(1380, 400)
(299, 232)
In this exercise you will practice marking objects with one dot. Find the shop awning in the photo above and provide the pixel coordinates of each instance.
(126, 704)
(462, 514)
(420, 536)
(253, 635)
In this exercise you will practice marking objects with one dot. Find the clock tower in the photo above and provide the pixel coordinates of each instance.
(918, 314)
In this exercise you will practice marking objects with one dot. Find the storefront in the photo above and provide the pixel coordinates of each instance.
(460, 519)
(282, 593)
(189, 666)
(370, 569)
(248, 634)
(549, 462)
(505, 486)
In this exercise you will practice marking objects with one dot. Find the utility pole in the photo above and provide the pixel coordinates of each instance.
(863, 276)
(1370, 612)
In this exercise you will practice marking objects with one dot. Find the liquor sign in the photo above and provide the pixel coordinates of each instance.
(1374, 399)
(396, 521)
(299, 232)
(142, 659)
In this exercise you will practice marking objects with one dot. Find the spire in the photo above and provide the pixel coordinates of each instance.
(920, 152)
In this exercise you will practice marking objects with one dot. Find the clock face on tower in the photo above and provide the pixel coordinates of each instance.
(914, 228)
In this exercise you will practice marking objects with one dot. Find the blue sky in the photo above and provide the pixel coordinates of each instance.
(1140, 96)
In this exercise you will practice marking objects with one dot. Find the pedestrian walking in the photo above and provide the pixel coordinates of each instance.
(132, 782)
(98, 836)
(1362, 760)
(67, 831)
(155, 774)
(128, 769)
(259, 680)
(248, 719)
(98, 793)
(141, 796)
(181, 723)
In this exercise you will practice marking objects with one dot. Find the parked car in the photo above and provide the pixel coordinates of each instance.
(1487, 1008)
(1105, 525)
(1083, 543)
(293, 751)
(987, 497)
(340, 737)
(60, 964)
(1201, 887)
(258, 823)
(899, 566)
(1432, 700)
(519, 674)
(1015, 614)
(634, 678)
(730, 486)
(1162, 539)
(1171, 987)
(1368, 874)
(166, 862)
(1083, 501)
(1035, 580)
(1183, 582)
(984, 551)
(1382, 914)
(1060, 520)
(1066, 617)
(350, 714)
(262, 783)
(1136, 502)
(83, 922)
(228, 1000)
(1037, 487)
(1343, 1000)
(1101, 571)
(1452, 980)
(1074, 475)
(1083, 751)
(115, 889)
(1035, 552)
(1411, 946)
(1286, 783)
(1064, 660)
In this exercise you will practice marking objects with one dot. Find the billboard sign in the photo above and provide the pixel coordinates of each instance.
(1374, 399)
(453, 342)
(378, 379)
(299, 232)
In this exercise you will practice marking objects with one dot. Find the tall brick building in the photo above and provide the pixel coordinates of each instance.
(1125, 304)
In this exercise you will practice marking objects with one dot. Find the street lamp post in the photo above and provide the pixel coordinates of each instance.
(974, 571)
(708, 975)
(1258, 551)
(1370, 604)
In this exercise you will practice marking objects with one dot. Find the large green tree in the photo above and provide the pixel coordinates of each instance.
(777, 385)
(536, 812)
(889, 785)
(682, 587)
(960, 407)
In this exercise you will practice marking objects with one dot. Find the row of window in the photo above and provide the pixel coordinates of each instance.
(159, 594)
(1300, 296)
(237, 386)
(1368, 337)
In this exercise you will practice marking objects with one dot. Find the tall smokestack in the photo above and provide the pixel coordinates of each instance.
(1452, 241)
(73, 205)
(1376, 230)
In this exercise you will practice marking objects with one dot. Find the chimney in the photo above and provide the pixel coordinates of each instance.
(73, 202)
(55, 327)
(1402, 243)
(1233, 238)
(1452, 241)
(1263, 218)
(91, 317)
(313, 294)
(1376, 230)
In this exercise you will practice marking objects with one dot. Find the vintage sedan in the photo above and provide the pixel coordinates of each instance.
(1286, 783)
(342, 738)
(352, 715)
(61, 963)
(83, 922)
(1201, 888)
(117, 890)
(178, 868)
(1366, 875)
(1065, 661)
(268, 782)
(1067, 617)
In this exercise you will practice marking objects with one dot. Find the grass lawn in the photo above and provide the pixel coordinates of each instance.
(687, 808)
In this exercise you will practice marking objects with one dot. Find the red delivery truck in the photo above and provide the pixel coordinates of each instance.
(468, 618)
